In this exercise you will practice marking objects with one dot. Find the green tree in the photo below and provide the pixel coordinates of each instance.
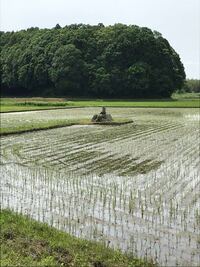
(101, 85)
(67, 70)
(191, 86)
(138, 80)
(84, 60)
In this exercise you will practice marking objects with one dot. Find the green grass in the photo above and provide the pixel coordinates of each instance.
(25, 104)
(16, 108)
(25, 242)
(35, 126)
(38, 126)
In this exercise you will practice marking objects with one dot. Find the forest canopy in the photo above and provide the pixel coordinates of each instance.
(80, 60)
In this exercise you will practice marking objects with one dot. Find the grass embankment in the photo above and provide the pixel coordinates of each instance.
(26, 104)
(30, 127)
(36, 126)
(25, 242)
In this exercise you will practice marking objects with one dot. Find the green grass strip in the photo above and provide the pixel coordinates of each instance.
(35, 126)
(25, 242)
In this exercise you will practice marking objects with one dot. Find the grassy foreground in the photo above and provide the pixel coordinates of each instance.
(25, 242)
(24, 104)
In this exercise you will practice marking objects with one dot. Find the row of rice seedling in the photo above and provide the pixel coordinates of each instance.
(57, 200)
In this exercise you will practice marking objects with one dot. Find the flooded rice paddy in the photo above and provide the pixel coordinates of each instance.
(133, 187)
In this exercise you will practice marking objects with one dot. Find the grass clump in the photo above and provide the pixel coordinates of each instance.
(25, 242)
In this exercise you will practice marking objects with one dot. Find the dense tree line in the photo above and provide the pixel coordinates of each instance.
(191, 86)
(90, 61)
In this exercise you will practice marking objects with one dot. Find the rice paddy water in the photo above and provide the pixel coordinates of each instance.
(134, 187)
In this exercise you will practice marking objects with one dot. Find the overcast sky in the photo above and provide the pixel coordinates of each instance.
(177, 20)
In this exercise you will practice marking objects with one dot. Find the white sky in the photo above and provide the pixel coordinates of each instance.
(177, 20)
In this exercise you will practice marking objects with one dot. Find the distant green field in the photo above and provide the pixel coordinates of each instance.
(25, 242)
(24, 104)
